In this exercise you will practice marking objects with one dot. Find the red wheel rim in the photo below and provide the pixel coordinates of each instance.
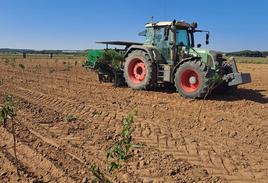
(190, 81)
(136, 71)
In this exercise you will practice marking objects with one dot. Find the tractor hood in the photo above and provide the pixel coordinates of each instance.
(209, 57)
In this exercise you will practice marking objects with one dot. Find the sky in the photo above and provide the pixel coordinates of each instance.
(77, 24)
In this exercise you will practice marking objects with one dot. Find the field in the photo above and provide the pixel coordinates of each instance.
(228, 143)
(255, 60)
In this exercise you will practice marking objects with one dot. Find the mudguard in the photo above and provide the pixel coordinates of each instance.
(152, 52)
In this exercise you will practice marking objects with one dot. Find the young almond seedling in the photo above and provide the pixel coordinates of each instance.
(8, 112)
(121, 150)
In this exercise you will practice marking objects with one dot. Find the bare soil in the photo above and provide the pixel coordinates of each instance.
(229, 142)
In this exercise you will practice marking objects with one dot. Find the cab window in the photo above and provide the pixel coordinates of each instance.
(182, 38)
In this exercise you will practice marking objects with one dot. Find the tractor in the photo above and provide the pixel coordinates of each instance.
(169, 56)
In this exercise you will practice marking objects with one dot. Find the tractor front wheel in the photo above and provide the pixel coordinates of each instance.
(192, 79)
(139, 71)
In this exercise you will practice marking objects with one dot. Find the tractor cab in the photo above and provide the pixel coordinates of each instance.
(174, 40)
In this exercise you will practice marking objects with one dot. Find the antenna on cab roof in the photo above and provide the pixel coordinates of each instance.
(152, 19)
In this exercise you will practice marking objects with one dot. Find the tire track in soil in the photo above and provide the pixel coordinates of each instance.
(215, 165)
(136, 176)
(145, 176)
(205, 155)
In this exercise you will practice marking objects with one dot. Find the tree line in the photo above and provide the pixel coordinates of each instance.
(249, 53)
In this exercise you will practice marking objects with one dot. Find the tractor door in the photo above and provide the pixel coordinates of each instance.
(161, 41)
(182, 43)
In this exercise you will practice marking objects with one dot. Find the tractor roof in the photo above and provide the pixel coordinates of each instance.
(179, 24)
(122, 43)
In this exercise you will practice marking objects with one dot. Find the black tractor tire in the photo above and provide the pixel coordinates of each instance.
(192, 79)
(139, 70)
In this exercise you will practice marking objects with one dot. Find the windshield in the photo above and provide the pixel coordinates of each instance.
(182, 38)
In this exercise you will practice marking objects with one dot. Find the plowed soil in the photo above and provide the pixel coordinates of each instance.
(227, 142)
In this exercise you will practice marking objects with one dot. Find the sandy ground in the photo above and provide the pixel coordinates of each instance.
(229, 142)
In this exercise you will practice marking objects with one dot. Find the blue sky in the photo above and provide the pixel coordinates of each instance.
(77, 24)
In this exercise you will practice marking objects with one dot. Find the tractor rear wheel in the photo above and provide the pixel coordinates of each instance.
(192, 79)
(139, 71)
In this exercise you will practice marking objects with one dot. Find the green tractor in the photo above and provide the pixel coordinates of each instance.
(169, 56)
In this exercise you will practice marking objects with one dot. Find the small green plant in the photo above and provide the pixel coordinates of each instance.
(70, 118)
(8, 111)
(121, 150)
(99, 176)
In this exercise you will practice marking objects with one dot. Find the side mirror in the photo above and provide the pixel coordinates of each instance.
(199, 45)
(143, 33)
(207, 38)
